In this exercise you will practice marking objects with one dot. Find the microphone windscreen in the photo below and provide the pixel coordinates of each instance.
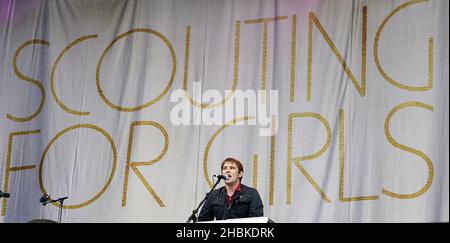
(44, 198)
(224, 177)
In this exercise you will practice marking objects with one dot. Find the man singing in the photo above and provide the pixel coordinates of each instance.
(234, 200)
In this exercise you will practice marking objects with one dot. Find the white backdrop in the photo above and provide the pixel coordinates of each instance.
(363, 108)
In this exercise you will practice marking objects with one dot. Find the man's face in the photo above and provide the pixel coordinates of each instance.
(230, 170)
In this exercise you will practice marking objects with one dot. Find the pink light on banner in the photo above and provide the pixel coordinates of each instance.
(5, 10)
(14, 10)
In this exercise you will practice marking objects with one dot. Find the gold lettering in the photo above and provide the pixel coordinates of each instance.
(211, 140)
(52, 76)
(341, 165)
(272, 168)
(134, 165)
(255, 171)
(113, 148)
(161, 95)
(430, 53)
(8, 163)
(265, 22)
(237, 31)
(360, 88)
(297, 160)
(410, 150)
(293, 47)
(30, 80)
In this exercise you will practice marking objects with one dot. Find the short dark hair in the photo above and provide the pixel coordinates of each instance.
(236, 162)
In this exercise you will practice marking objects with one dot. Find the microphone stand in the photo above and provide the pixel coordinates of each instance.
(193, 216)
(61, 203)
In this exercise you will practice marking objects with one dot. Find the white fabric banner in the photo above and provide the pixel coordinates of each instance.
(359, 134)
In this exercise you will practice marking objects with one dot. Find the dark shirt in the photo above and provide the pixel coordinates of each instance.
(244, 203)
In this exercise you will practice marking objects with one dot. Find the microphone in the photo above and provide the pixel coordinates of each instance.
(222, 177)
(44, 199)
(60, 200)
(4, 194)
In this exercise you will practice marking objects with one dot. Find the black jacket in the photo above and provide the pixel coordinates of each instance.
(246, 203)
